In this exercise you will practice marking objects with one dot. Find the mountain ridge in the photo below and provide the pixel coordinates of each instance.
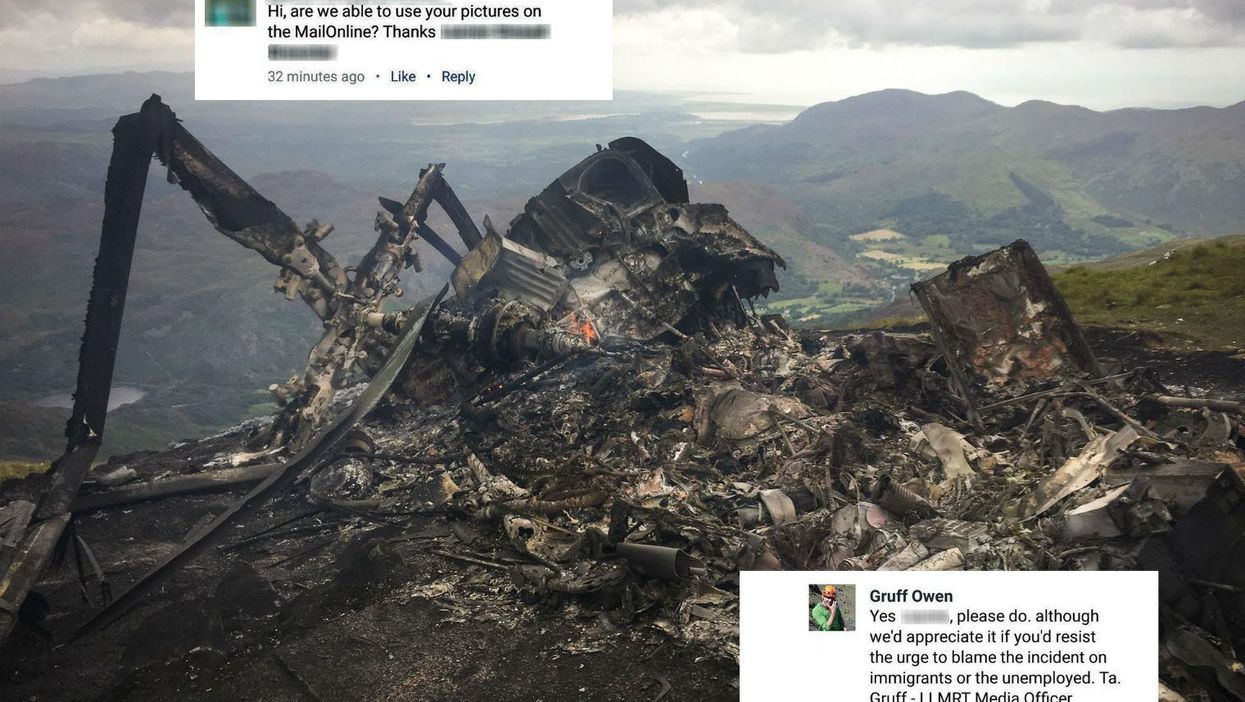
(1185, 166)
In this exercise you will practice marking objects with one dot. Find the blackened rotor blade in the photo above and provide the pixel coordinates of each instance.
(236, 209)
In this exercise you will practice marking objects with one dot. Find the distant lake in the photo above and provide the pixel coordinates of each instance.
(120, 396)
(720, 112)
(745, 115)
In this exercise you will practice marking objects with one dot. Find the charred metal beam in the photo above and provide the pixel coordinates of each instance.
(239, 212)
(136, 137)
(425, 232)
(207, 481)
(442, 246)
(382, 263)
(14, 518)
(467, 229)
(31, 558)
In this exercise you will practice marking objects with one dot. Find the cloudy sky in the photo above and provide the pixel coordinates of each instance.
(1099, 53)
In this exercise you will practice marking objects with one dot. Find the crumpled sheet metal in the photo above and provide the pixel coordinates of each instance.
(780, 507)
(1182, 485)
(508, 267)
(948, 444)
(998, 317)
(574, 213)
(1166, 694)
(942, 534)
(1093, 519)
(1080, 470)
(728, 412)
(707, 243)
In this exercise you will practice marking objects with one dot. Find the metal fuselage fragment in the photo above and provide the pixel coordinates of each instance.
(610, 249)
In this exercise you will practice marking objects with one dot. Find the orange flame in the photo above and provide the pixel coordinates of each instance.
(585, 328)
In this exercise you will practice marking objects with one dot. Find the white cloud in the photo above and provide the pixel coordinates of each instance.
(779, 26)
(154, 13)
(74, 36)
(1161, 27)
(107, 34)
(702, 31)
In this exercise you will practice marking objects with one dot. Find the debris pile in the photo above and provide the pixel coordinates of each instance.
(598, 427)
(760, 448)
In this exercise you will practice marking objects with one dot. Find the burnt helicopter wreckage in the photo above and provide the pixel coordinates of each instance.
(610, 251)
(596, 424)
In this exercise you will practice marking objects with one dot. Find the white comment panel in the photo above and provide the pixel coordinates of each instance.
(959, 636)
(439, 50)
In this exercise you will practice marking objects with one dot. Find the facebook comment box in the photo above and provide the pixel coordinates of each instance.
(436, 50)
(960, 636)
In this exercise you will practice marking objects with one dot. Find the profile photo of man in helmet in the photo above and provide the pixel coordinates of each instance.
(830, 609)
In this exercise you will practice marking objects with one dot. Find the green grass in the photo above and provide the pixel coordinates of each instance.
(845, 307)
(787, 304)
(822, 309)
(21, 469)
(829, 288)
(1198, 292)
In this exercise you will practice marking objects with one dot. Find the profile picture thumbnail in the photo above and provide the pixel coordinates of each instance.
(230, 13)
(831, 607)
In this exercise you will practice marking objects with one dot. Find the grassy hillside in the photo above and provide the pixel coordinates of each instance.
(1189, 290)
(1193, 289)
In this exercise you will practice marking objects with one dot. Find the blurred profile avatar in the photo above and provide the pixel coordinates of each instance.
(827, 614)
(230, 13)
